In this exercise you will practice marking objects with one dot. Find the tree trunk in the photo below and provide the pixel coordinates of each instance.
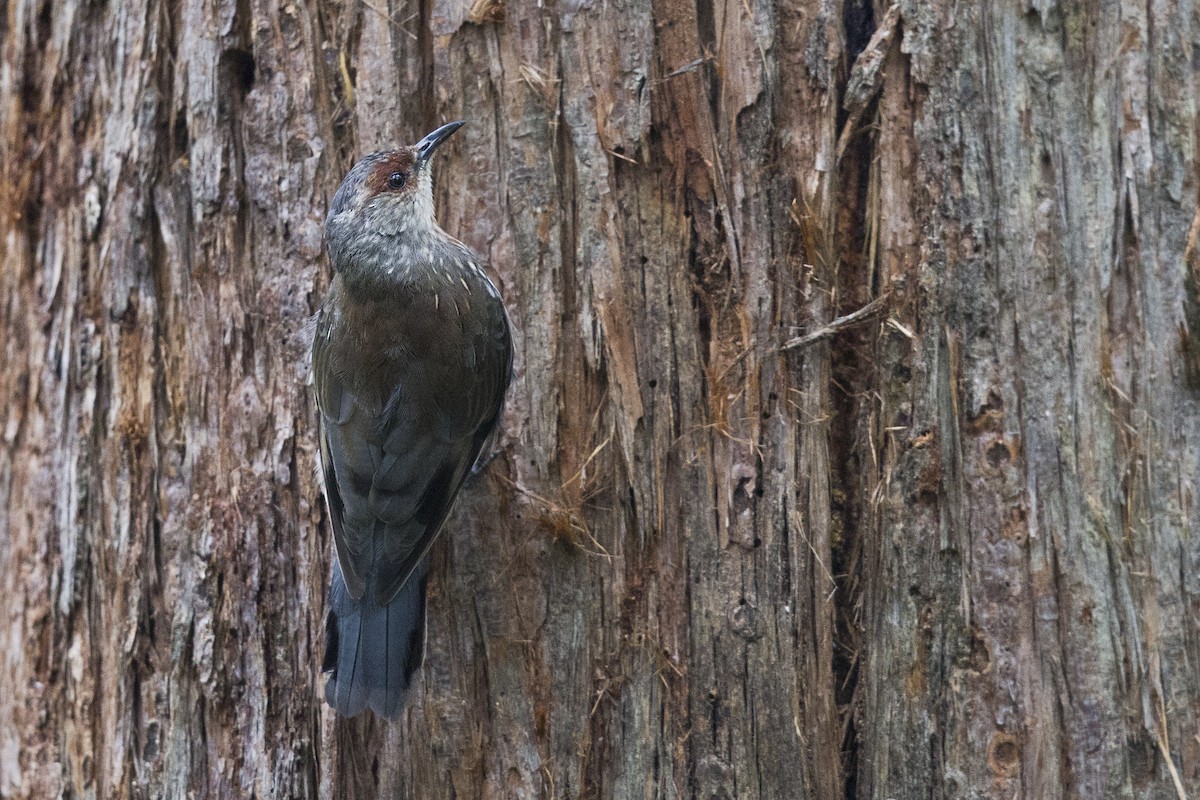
(735, 543)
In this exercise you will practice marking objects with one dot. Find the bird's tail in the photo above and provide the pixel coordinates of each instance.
(373, 651)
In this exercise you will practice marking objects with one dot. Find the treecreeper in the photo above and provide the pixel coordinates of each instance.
(411, 360)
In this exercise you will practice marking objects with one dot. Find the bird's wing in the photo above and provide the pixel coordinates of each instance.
(392, 470)
(337, 407)
(466, 419)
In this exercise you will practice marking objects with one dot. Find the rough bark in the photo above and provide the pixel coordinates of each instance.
(947, 548)
(1031, 611)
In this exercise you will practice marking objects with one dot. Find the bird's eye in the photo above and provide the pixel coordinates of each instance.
(397, 180)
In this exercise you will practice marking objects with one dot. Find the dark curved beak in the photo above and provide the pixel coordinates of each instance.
(426, 146)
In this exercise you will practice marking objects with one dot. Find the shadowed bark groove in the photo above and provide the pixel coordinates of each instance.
(948, 549)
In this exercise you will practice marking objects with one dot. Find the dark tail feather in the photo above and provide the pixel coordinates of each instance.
(373, 651)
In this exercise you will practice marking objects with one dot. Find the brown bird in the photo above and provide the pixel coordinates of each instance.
(411, 361)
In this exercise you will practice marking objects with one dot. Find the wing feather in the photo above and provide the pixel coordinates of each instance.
(392, 469)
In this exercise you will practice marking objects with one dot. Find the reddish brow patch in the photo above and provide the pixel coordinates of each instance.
(396, 161)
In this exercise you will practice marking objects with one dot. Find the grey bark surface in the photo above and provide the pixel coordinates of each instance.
(948, 548)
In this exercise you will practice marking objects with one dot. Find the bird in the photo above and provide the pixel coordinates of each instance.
(411, 361)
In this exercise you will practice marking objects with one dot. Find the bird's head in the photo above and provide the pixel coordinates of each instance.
(386, 196)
